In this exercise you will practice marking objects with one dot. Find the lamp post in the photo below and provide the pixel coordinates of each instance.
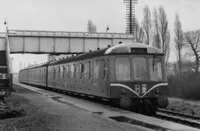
(8, 57)
(107, 29)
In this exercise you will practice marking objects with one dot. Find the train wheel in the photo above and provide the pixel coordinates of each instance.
(125, 102)
(115, 102)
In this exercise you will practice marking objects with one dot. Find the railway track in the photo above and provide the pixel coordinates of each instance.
(177, 117)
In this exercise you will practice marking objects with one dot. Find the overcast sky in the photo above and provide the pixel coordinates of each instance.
(72, 15)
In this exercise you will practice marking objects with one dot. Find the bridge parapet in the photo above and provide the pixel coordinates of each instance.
(34, 33)
(61, 42)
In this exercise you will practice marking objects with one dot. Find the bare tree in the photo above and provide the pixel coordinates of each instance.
(139, 34)
(147, 24)
(192, 41)
(156, 35)
(163, 30)
(167, 46)
(91, 28)
(178, 38)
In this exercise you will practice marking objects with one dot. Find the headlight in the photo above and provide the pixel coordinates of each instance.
(123, 91)
(144, 88)
(2, 92)
(157, 90)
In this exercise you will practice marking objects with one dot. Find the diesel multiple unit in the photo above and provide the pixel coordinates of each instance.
(129, 75)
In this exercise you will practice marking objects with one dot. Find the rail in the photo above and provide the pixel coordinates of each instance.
(177, 117)
(179, 114)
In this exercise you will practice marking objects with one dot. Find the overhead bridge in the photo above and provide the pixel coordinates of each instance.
(58, 42)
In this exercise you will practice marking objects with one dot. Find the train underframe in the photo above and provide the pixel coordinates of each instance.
(146, 106)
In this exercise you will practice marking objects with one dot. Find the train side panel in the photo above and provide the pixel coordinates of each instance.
(86, 77)
(51, 77)
(23, 76)
(35, 76)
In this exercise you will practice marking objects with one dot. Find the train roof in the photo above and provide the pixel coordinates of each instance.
(127, 48)
(83, 56)
(37, 66)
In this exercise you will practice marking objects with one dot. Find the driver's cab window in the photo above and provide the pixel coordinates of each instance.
(122, 69)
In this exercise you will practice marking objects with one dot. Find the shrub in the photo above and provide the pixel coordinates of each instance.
(187, 86)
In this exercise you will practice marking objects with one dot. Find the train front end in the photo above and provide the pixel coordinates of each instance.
(139, 80)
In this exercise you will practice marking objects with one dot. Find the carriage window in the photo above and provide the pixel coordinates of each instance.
(122, 69)
(68, 71)
(76, 71)
(82, 68)
(104, 75)
(58, 72)
(41, 72)
(72, 71)
(86, 71)
(44, 73)
(140, 68)
(89, 69)
(155, 69)
(96, 70)
(63, 73)
(54, 73)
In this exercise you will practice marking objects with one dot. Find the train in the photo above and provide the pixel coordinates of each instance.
(5, 76)
(129, 75)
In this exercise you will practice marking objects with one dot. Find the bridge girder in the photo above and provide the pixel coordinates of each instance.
(57, 42)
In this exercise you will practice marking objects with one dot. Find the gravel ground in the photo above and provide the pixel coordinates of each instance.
(32, 120)
(45, 114)
(185, 106)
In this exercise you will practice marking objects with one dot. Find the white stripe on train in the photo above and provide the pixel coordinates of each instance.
(155, 86)
(127, 87)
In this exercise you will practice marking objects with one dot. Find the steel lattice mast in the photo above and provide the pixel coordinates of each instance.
(130, 15)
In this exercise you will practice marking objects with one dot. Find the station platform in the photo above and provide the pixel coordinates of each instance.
(113, 114)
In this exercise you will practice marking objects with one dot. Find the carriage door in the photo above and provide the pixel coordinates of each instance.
(103, 77)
